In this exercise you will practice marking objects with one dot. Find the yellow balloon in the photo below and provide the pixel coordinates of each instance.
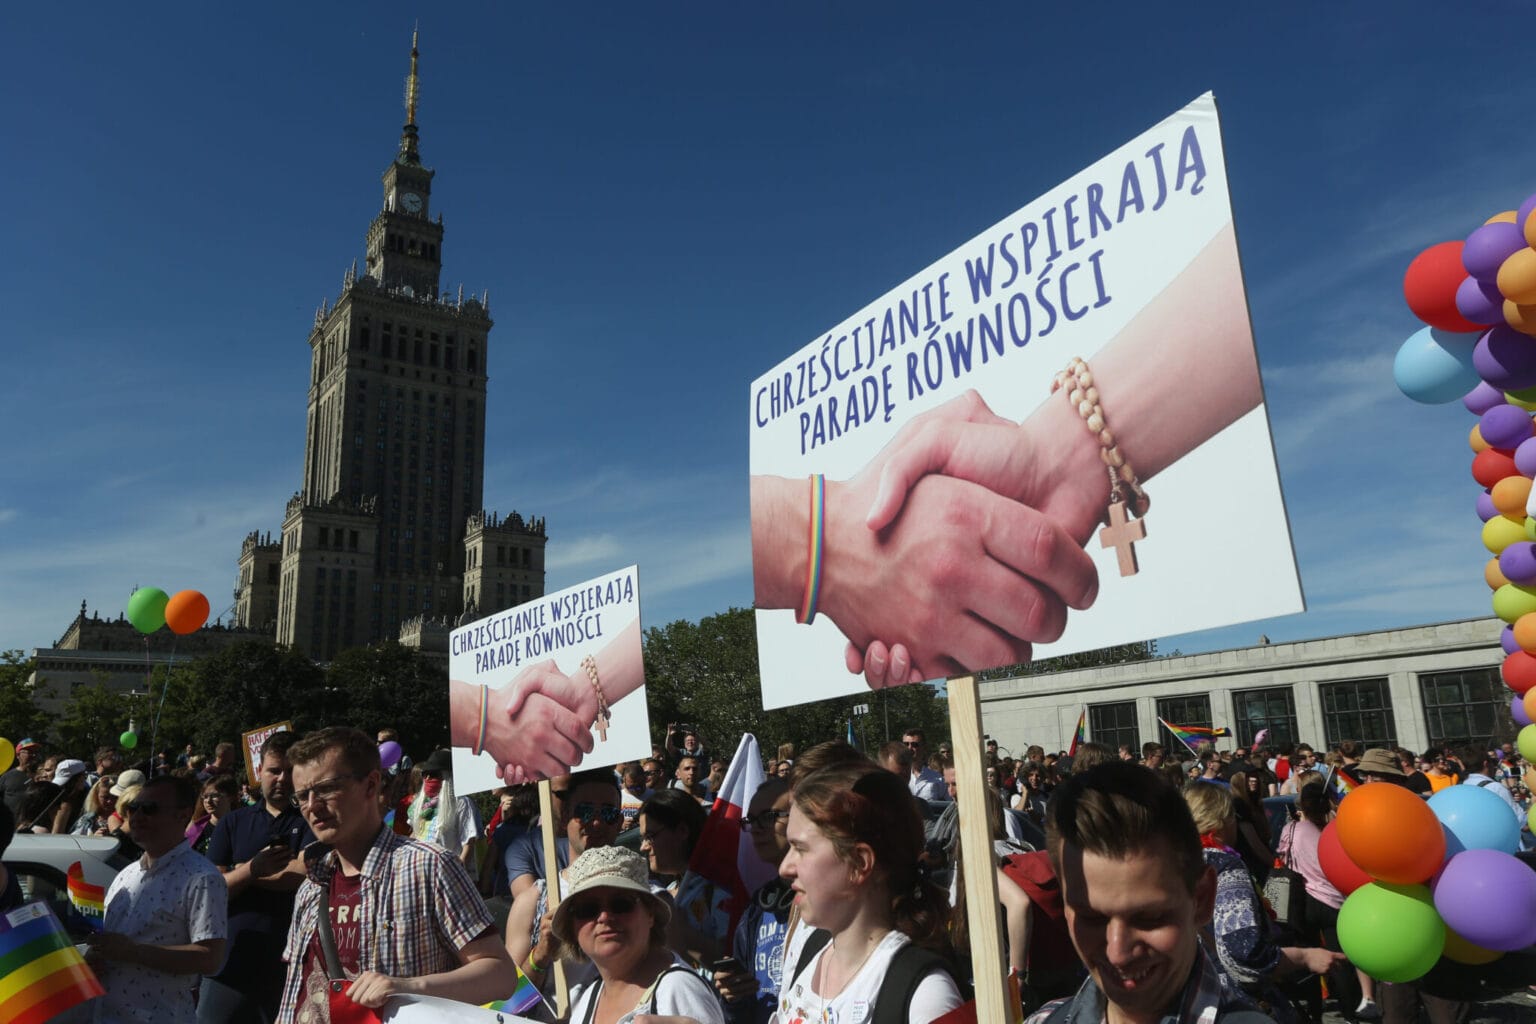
(1495, 577)
(1530, 229)
(1521, 318)
(1507, 217)
(7, 754)
(1517, 275)
(1475, 439)
(1463, 952)
(1500, 532)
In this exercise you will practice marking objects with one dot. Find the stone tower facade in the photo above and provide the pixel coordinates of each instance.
(394, 449)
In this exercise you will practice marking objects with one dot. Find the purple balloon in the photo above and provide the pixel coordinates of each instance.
(1506, 359)
(1482, 398)
(1488, 247)
(1525, 458)
(1480, 302)
(389, 754)
(1507, 640)
(1518, 563)
(1526, 209)
(1488, 898)
(1485, 509)
(1505, 426)
(1517, 711)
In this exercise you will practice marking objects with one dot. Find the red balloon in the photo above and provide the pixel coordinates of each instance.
(187, 610)
(1491, 465)
(1519, 671)
(1430, 285)
(1345, 875)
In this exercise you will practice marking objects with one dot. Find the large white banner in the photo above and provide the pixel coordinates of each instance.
(1051, 440)
(537, 689)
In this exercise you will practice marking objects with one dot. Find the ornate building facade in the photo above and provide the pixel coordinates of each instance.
(388, 530)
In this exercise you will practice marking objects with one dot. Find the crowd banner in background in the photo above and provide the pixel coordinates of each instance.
(1051, 440)
(535, 689)
(251, 743)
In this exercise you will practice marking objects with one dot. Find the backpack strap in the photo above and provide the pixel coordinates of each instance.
(906, 971)
(814, 943)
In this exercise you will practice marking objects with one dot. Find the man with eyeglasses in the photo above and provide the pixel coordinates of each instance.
(404, 917)
(257, 849)
(750, 986)
(165, 915)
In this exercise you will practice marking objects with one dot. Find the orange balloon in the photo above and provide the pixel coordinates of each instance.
(1463, 952)
(1530, 702)
(1525, 632)
(1494, 575)
(1517, 274)
(1530, 229)
(1509, 495)
(1521, 318)
(186, 612)
(1507, 217)
(1391, 833)
(1475, 439)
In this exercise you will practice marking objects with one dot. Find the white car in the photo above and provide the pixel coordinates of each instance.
(41, 865)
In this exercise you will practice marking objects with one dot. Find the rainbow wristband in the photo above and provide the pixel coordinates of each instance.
(485, 708)
(813, 558)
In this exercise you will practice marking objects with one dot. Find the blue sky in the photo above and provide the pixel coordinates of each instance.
(664, 200)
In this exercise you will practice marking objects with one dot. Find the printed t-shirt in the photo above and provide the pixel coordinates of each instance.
(345, 899)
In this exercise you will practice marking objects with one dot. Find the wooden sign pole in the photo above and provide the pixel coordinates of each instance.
(981, 901)
(549, 824)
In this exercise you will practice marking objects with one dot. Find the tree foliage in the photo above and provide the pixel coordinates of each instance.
(705, 674)
(390, 685)
(97, 716)
(20, 716)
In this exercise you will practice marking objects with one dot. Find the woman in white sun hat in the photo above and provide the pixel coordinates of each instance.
(611, 916)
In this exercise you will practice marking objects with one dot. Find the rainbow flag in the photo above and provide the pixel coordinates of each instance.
(1081, 735)
(1189, 735)
(1342, 784)
(88, 900)
(523, 998)
(41, 972)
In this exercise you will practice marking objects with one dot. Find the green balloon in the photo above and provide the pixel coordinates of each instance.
(146, 608)
(129, 740)
(1525, 739)
(1391, 932)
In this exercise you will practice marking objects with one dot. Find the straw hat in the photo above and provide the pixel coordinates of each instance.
(606, 867)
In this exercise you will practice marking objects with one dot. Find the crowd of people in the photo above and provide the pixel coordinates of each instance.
(1130, 881)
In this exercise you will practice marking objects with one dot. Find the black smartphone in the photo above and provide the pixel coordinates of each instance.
(727, 965)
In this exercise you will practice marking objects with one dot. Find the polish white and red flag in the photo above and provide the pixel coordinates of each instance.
(725, 870)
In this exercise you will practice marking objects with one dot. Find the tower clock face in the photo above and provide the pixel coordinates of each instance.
(411, 201)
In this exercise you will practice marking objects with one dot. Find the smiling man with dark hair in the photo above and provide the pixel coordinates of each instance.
(1137, 893)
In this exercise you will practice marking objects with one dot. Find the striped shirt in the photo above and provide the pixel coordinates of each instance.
(417, 909)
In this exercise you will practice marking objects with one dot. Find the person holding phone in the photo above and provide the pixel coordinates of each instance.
(258, 851)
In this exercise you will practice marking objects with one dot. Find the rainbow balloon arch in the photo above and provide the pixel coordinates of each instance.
(1426, 880)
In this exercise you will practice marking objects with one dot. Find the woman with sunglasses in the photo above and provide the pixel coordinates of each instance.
(612, 919)
(592, 817)
(99, 805)
(855, 836)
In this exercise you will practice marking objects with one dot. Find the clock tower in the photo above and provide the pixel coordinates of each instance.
(387, 535)
(404, 247)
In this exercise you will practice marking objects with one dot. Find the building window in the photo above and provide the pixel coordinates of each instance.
(1467, 708)
(1190, 709)
(1359, 710)
(1114, 724)
(1273, 709)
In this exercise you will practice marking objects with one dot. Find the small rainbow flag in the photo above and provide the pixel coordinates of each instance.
(41, 972)
(1081, 736)
(1342, 783)
(1189, 735)
(523, 998)
(88, 900)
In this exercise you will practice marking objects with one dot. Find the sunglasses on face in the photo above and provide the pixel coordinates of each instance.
(616, 905)
(763, 820)
(605, 813)
(147, 807)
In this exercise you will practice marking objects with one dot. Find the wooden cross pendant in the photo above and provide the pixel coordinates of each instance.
(601, 725)
(1122, 534)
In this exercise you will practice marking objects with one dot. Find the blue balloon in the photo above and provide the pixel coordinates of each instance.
(1474, 818)
(1435, 366)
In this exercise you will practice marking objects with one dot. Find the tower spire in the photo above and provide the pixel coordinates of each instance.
(408, 137)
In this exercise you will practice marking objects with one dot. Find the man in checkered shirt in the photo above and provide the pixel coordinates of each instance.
(405, 915)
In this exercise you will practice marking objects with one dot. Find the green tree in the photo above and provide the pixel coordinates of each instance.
(241, 687)
(705, 674)
(97, 716)
(391, 685)
(20, 717)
